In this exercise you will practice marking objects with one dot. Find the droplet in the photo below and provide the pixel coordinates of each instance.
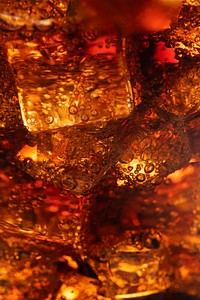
(94, 112)
(152, 240)
(140, 177)
(149, 168)
(49, 119)
(73, 110)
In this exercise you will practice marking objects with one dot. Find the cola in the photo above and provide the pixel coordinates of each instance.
(99, 143)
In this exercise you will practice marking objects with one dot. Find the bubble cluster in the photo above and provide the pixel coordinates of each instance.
(184, 35)
(181, 94)
(151, 149)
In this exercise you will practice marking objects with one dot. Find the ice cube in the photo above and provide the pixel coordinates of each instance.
(67, 79)
(154, 144)
(181, 90)
(136, 266)
(72, 157)
(184, 34)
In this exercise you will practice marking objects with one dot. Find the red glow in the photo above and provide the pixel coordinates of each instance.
(101, 46)
(164, 54)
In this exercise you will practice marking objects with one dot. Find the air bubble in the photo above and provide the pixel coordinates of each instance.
(149, 168)
(68, 182)
(73, 110)
(49, 119)
(84, 118)
(89, 86)
(26, 33)
(71, 66)
(94, 112)
(140, 177)
(130, 168)
(27, 162)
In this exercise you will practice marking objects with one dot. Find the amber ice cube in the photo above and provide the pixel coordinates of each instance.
(72, 157)
(180, 92)
(153, 144)
(70, 77)
(166, 218)
(184, 33)
(32, 269)
(181, 223)
(173, 209)
(136, 266)
(31, 208)
(40, 239)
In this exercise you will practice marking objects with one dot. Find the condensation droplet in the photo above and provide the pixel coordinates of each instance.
(73, 110)
(140, 177)
(149, 168)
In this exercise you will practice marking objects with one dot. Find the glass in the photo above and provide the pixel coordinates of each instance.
(99, 165)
